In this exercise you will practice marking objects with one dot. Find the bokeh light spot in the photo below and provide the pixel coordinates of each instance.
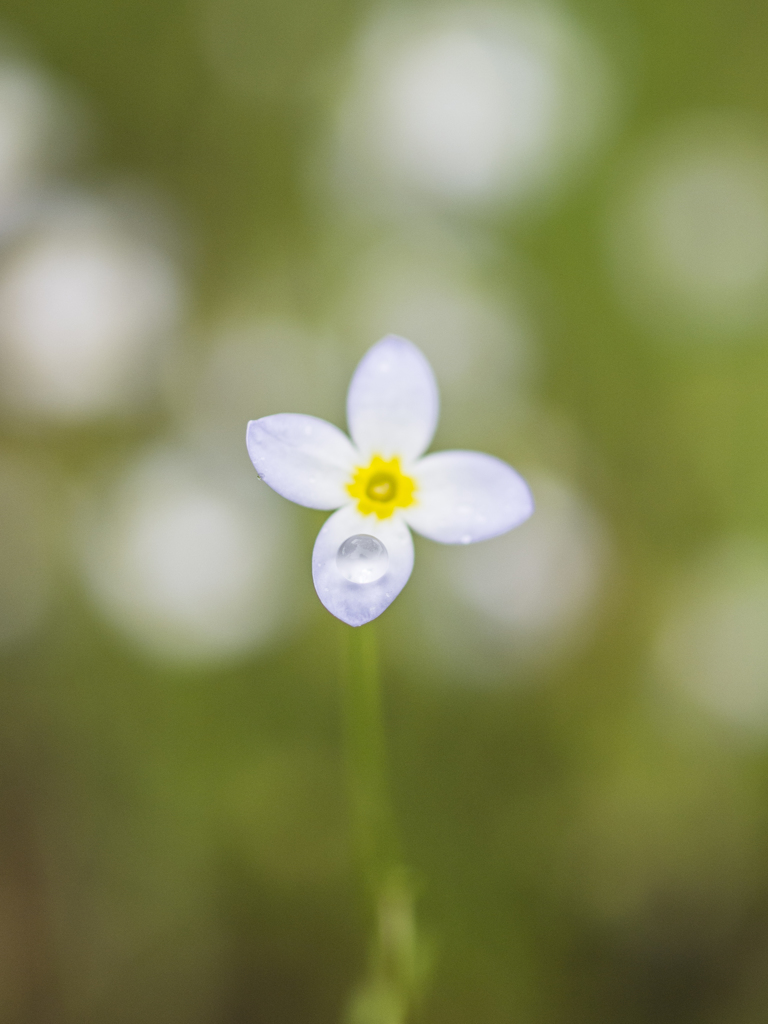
(712, 646)
(690, 242)
(85, 312)
(184, 563)
(468, 105)
(511, 607)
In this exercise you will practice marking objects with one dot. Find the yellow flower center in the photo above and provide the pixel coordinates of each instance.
(381, 487)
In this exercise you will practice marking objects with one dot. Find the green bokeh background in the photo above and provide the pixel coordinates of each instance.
(174, 843)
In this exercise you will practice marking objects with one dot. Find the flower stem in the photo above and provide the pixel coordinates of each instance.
(395, 969)
(373, 817)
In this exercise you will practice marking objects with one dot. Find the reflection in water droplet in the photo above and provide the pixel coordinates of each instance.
(362, 559)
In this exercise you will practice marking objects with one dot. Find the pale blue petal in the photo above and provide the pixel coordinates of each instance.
(393, 403)
(463, 497)
(303, 458)
(358, 603)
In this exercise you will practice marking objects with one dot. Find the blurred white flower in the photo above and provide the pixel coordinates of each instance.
(690, 239)
(469, 105)
(86, 311)
(380, 485)
(519, 603)
(186, 563)
(712, 645)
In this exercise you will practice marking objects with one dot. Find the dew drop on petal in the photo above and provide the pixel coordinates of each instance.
(362, 559)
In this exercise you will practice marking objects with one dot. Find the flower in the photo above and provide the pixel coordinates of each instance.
(380, 484)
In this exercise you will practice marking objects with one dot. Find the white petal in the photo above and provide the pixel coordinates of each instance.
(462, 497)
(303, 458)
(358, 603)
(393, 403)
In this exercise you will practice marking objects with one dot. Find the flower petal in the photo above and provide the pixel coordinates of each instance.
(303, 458)
(392, 405)
(358, 603)
(467, 496)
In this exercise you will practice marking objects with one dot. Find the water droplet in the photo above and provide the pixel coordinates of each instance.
(362, 559)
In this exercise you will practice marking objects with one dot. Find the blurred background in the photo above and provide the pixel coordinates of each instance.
(209, 209)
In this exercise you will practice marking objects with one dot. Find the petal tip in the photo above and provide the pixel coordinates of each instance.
(397, 343)
(397, 340)
(350, 620)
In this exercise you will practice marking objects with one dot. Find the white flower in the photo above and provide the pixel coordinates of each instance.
(380, 485)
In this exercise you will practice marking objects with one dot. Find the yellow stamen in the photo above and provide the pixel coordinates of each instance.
(381, 487)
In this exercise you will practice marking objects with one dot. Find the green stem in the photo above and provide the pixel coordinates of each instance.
(397, 966)
(373, 817)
